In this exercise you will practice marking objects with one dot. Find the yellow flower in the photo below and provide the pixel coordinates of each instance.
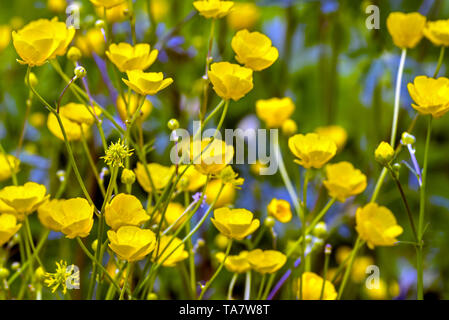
(64, 275)
(289, 127)
(127, 57)
(133, 105)
(312, 150)
(125, 210)
(24, 199)
(336, 133)
(311, 287)
(8, 227)
(163, 251)
(275, 112)
(92, 41)
(46, 213)
(231, 81)
(4, 208)
(359, 267)
(438, 32)
(41, 40)
(430, 95)
(79, 113)
(114, 14)
(377, 293)
(213, 8)
(344, 181)
(192, 179)
(254, 50)
(243, 16)
(57, 5)
(280, 209)
(235, 264)
(384, 153)
(5, 36)
(72, 129)
(342, 254)
(148, 83)
(8, 164)
(131, 243)
(227, 195)
(406, 29)
(377, 225)
(210, 157)
(159, 174)
(117, 153)
(173, 213)
(107, 3)
(268, 261)
(235, 223)
(159, 9)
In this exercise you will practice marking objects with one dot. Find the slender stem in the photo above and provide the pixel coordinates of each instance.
(128, 273)
(326, 266)
(397, 98)
(231, 285)
(91, 161)
(247, 293)
(261, 286)
(357, 245)
(440, 61)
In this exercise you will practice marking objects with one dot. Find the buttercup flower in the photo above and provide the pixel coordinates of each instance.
(8, 164)
(267, 261)
(231, 81)
(275, 112)
(312, 150)
(92, 41)
(173, 213)
(335, 133)
(47, 211)
(359, 267)
(41, 40)
(62, 277)
(132, 243)
(344, 181)
(159, 174)
(133, 105)
(127, 57)
(24, 199)
(438, 32)
(57, 5)
(116, 154)
(210, 157)
(243, 16)
(163, 251)
(79, 113)
(71, 128)
(289, 127)
(227, 195)
(114, 14)
(235, 264)
(8, 227)
(431, 96)
(213, 8)
(192, 179)
(254, 50)
(384, 153)
(311, 287)
(235, 223)
(377, 225)
(406, 29)
(5, 36)
(280, 209)
(107, 3)
(147, 83)
(125, 210)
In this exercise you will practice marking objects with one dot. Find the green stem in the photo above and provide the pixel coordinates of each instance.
(91, 161)
(397, 98)
(357, 245)
(261, 287)
(128, 273)
(440, 61)
(231, 285)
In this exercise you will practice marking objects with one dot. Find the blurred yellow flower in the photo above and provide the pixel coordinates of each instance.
(159, 9)
(8, 165)
(127, 57)
(227, 195)
(72, 129)
(37, 119)
(132, 243)
(92, 41)
(4, 208)
(289, 127)
(8, 227)
(275, 112)
(311, 287)
(336, 133)
(5, 36)
(312, 150)
(57, 5)
(107, 3)
(377, 225)
(384, 153)
(213, 8)
(133, 105)
(159, 174)
(125, 210)
(243, 16)
(231, 81)
(254, 50)
(280, 209)
(173, 212)
(438, 32)
(344, 181)
(210, 157)
(165, 247)
(114, 14)
(267, 261)
(148, 83)
(235, 223)
(192, 179)
(406, 29)
(431, 96)
(41, 40)
(358, 273)
(379, 292)
(24, 199)
(79, 113)
(235, 264)
(342, 253)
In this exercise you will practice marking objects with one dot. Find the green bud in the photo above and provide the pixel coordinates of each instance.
(128, 176)
(407, 138)
(15, 266)
(80, 72)
(4, 273)
(74, 54)
(100, 24)
(173, 124)
(320, 230)
(152, 296)
(269, 222)
(33, 80)
(94, 245)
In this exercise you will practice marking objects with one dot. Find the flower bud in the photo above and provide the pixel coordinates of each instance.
(152, 296)
(4, 273)
(33, 80)
(128, 176)
(221, 241)
(396, 168)
(100, 24)
(328, 249)
(74, 54)
(94, 245)
(384, 153)
(173, 124)
(320, 230)
(39, 274)
(80, 72)
(289, 128)
(15, 266)
(407, 138)
(269, 222)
